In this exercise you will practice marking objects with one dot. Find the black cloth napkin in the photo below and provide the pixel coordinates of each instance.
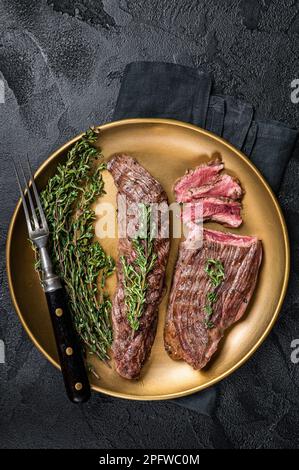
(157, 89)
(165, 90)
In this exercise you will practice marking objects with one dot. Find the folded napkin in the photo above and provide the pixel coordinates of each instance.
(153, 89)
(156, 89)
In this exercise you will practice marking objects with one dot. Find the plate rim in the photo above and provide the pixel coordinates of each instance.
(190, 391)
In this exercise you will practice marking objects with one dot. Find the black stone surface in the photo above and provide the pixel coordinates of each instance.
(62, 63)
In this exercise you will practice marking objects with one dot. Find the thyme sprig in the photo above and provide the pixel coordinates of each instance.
(135, 273)
(78, 259)
(215, 271)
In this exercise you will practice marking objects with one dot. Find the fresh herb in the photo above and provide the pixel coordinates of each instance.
(92, 371)
(78, 259)
(215, 271)
(212, 297)
(135, 272)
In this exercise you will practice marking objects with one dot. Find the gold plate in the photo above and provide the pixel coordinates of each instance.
(166, 148)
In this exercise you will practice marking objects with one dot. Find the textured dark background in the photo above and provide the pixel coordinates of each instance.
(62, 63)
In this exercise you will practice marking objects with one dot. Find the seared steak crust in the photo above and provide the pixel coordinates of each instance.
(186, 336)
(131, 349)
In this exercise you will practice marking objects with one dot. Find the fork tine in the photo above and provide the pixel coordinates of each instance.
(27, 217)
(36, 222)
(41, 212)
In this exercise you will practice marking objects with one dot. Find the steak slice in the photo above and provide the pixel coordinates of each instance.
(218, 193)
(186, 333)
(203, 174)
(223, 211)
(131, 348)
(223, 185)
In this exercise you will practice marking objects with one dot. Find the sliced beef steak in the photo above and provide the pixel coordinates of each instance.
(223, 211)
(223, 186)
(131, 348)
(217, 192)
(203, 174)
(187, 335)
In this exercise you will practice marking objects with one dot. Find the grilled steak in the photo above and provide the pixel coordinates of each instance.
(217, 192)
(187, 335)
(222, 186)
(132, 347)
(221, 210)
(203, 174)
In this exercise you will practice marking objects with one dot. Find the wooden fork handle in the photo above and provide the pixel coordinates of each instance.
(68, 346)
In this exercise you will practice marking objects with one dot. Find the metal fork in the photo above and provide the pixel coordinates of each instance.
(68, 347)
